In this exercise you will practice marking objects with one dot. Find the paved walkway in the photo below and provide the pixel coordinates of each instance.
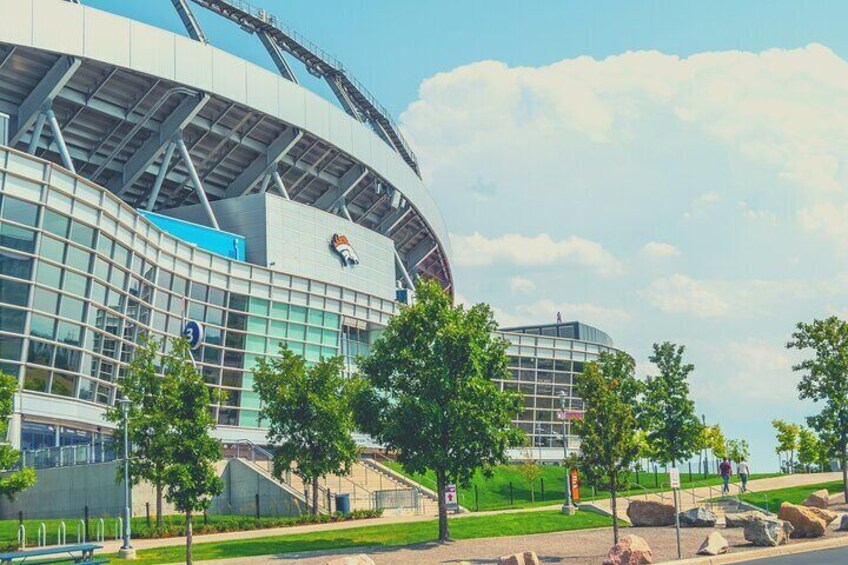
(113, 546)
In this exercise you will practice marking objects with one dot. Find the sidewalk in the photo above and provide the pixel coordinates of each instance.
(757, 485)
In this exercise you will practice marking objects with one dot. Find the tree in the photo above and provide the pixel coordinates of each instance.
(11, 483)
(667, 414)
(787, 440)
(531, 471)
(149, 420)
(190, 476)
(737, 450)
(430, 391)
(716, 442)
(608, 448)
(809, 448)
(824, 379)
(310, 416)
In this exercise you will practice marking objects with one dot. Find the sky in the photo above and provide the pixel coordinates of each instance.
(662, 170)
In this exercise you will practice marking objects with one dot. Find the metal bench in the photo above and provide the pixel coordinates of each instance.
(82, 553)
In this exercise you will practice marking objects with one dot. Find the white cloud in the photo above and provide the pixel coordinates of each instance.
(521, 285)
(545, 311)
(477, 250)
(680, 294)
(658, 250)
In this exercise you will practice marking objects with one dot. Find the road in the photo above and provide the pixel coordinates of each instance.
(838, 556)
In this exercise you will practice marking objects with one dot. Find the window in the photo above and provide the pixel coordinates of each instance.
(39, 353)
(12, 320)
(10, 347)
(56, 223)
(86, 390)
(49, 275)
(82, 234)
(72, 308)
(121, 255)
(14, 237)
(20, 211)
(78, 259)
(14, 292)
(69, 333)
(52, 249)
(63, 384)
(42, 326)
(68, 359)
(35, 379)
(15, 265)
(74, 284)
(198, 292)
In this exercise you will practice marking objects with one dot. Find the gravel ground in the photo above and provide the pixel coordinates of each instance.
(573, 548)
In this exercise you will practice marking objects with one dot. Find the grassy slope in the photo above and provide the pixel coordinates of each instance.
(494, 493)
(772, 499)
(382, 536)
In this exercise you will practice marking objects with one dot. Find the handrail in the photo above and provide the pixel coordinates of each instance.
(67, 455)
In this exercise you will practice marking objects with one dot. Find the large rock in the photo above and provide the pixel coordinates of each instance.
(700, 517)
(768, 532)
(525, 558)
(630, 550)
(739, 519)
(818, 499)
(805, 521)
(360, 559)
(714, 544)
(825, 515)
(843, 523)
(650, 513)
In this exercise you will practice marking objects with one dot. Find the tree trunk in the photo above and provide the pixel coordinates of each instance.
(188, 537)
(444, 533)
(614, 505)
(159, 519)
(315, 496)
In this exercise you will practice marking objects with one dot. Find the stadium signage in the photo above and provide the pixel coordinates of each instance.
(341, 245)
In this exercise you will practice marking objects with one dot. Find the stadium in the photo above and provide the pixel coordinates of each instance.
(149, 179)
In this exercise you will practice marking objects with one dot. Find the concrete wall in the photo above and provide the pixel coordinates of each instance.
(64, 492)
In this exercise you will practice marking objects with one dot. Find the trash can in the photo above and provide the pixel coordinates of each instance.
(343, 503)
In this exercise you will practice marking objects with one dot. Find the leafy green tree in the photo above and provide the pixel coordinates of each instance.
(309, 414)
(11, 483)
(608, 448)
(738, 450)
(190, 476)
(430, 391)
(809, 448)
(149, 421)
(787, 440)
(824, 379)
(531, 471)
(716, 441)
(667, 414)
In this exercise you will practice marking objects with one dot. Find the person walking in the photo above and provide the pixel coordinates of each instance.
(743, 471)
(726, 469)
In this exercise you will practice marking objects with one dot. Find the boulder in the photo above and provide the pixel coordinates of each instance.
(818, 499)
(843, 523)
(739, 519)
(630, 550)
(525, 558)
(768, 532)
(650, 513)
(700, 517)
(804, 520)
(360, 559)
(714, 544)
(825, 515)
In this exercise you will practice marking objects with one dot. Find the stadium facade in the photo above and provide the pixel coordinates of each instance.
(148, 179)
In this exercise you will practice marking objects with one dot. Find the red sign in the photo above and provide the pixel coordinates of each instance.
(574, 483)
(569, 415)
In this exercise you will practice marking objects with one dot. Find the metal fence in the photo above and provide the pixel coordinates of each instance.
(397, 499)
(68, 455)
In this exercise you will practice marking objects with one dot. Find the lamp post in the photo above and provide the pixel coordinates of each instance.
(127, 551)
(568, 507)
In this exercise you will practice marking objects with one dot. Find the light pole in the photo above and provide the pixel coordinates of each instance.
(568, 507)
(127, 551)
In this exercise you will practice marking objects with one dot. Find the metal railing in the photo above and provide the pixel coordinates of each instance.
(68, 455)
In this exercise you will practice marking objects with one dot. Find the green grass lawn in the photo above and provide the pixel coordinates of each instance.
(384, 535)
(772, 499)
(494, 493)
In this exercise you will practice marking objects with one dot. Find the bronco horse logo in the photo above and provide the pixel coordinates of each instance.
(342, 246)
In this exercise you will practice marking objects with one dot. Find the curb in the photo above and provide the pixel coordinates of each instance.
(781, 550)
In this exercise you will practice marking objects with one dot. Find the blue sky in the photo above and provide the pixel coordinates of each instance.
(663, 170)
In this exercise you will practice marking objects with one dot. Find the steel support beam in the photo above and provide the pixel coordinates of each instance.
(189, 21)
(36, 133)
(264, 162)
(280, 186)
(145, 155)
(336, 194)
(277, 56)
(42, 95)
(399, 262)
(195, 179)
(392, 220)
(59, 139)
(344, 98)
(160, 176)
(420, 252)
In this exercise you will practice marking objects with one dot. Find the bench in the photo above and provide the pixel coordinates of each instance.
(82, 554)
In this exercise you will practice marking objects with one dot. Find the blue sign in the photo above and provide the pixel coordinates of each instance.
(193, 332)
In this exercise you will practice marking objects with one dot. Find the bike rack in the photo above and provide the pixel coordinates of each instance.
(22, 537)
(42, 535)
(101, 530)
(119, 527)
(62, 535)
(81, 531)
